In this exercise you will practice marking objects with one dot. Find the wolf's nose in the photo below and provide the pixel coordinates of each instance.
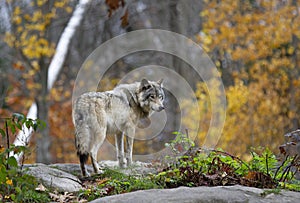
(161, 108)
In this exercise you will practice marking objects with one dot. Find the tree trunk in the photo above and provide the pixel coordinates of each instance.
(292, 90)
(43, 139)
(177, 65)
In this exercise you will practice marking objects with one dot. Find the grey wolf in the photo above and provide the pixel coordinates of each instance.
(118, 112)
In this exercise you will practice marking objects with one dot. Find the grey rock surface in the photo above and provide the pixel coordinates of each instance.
(54, 178)
(220, 194)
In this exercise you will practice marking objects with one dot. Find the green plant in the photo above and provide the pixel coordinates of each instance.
(291, 185)
(264, 162)
(181, 143)
(14, 184)
(199, 168)
(215, 167)
(115, 182)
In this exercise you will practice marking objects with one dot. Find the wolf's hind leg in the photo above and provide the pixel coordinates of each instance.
(120, 149)
(99, 138)
(83, 158)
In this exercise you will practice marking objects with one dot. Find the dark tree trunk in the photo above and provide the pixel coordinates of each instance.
(292, 91)
(177, 65)
(43, 140)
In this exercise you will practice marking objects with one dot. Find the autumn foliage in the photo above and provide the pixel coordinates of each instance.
(255, 44)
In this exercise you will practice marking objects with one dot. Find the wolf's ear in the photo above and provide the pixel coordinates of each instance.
(160, 82)
(144, 84)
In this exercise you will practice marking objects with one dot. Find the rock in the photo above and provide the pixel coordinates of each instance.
(54, 178)
(72, 168)
(220, 194)
(137, 167)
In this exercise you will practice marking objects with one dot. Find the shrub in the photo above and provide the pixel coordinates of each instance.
(14, 184)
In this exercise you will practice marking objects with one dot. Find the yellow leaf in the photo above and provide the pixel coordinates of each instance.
(68, 9)
(27, 17)
(37, 15)
(17, 11)
(290, 50)
(2, 149)
(41, 2)
(58, 4)
(17, 20)
(35, 65)
(8, 181)
(19, 29)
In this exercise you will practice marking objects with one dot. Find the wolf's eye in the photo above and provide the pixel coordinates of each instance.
(152, 96)
(160, 96)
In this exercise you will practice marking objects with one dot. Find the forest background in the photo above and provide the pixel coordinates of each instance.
(253, 43)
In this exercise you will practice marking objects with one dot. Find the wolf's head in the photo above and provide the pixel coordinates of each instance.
(151, 95)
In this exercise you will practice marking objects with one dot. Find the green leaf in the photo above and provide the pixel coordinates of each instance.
(20, 149)
(19, 116)
(13, 129)
(13, 197)
(2, 132)
(12, 126)
(18, 125)
(18, 189)
(28, 123)
(3, 173)
(12, 161)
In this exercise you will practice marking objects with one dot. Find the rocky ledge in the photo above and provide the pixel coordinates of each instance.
(64, 178)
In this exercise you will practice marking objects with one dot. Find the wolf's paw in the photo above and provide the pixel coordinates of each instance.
(100, 171)
(86, 174)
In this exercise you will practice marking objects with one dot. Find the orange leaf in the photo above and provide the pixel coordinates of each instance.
(124, 19)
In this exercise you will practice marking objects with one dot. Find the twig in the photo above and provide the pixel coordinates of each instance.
(7, 142)
(287, 173)
(4, 118)
(187, 133)
(287, 169)
(267, 164)
(232, 156)
(286, 158)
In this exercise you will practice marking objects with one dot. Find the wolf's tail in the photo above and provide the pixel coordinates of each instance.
(83, 157)
(82, 133)
(82, 143)
(82, 153)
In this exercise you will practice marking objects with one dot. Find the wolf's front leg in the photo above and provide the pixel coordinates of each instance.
(120, 149)
(129, 149)
(129, 145)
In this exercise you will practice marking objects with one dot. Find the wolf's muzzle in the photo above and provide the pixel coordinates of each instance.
(161, 108)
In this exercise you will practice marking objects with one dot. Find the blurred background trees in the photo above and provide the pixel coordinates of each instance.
(254, 44)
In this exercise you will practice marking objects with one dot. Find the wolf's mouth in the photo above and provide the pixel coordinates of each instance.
(159, 109)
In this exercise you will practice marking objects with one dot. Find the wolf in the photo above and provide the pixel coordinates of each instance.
(118, 112)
